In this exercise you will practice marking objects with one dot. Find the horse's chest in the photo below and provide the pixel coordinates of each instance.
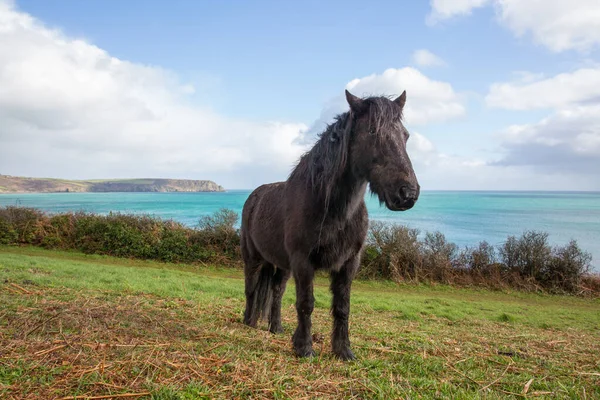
(338, 246)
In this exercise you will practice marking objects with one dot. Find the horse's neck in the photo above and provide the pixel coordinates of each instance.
(346, 196)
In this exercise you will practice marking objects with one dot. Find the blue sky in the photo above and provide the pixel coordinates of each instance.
(291, 56)
(223, 77)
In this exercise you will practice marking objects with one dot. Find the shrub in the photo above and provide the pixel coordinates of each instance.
(22, 225)
(566, 268)
(392, 252)
(479, 259)
(556, 269)
(8, 234)
(590, 284)
(174, 245)
(439, 257)
(215, 239)
(528, 255)
(218, 235)
(482, 257)
(60, 231)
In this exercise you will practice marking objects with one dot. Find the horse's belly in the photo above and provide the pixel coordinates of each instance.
(269, 243)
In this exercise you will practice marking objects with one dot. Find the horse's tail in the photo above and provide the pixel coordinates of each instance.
(260, 275)
(259, 293)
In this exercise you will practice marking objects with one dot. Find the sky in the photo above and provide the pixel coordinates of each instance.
(501, 94)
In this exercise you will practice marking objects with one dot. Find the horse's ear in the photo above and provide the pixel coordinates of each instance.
(356, 104)
(401, 99)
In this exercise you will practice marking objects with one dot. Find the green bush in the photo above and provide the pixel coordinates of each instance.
(215, 240)
(392, 252)
(527, 262)
(217, 232)
(24, 222)
(566, 269)
(556, 269)
(8, 234)
(527, 255)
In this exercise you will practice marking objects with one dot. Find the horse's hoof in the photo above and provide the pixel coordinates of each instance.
(305, 352)
(250, 324)
(276, 330)
(345, 355)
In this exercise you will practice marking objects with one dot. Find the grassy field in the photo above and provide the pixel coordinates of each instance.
(79, 326)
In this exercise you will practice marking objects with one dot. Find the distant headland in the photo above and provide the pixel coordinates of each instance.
(18, 184)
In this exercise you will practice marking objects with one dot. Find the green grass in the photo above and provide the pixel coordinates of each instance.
(411, 341)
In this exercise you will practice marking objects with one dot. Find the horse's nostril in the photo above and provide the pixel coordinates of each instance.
(407, 193)
(404, 192)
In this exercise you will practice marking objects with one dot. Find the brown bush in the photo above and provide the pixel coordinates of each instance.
(392, 252)
(439, 256)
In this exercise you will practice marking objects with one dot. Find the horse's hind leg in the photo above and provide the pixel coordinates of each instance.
(279, 282)
(252, 275)
(340, 286)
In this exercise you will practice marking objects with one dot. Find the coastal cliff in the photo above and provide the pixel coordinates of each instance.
(16, 184)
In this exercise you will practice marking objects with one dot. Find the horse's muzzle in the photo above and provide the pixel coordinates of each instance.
(405, 199)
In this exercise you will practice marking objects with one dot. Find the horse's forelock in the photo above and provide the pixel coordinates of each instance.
(383, 113)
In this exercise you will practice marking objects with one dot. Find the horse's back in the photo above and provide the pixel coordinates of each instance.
(262, 237)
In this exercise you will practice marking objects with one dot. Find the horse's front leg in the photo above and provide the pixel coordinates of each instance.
(305, 303)
(340, 287)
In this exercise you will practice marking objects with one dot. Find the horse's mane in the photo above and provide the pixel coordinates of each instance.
(327, 160)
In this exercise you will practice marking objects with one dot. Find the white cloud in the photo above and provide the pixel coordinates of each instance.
(557, 24)
(428, 100)
(425, 58)
(580, 86)
(420, 144)
(437, 170)
(444, 9)
(575, 127)
(70, 109)
(567, 141)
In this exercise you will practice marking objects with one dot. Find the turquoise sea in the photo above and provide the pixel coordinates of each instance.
(464, 217)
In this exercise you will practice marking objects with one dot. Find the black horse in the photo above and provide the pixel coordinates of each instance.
(318, 218)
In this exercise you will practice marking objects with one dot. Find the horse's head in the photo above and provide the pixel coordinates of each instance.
(378, 150)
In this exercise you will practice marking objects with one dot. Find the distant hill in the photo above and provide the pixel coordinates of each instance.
(17, 184)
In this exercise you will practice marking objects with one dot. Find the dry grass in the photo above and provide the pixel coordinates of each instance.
(77, 326)
(63, 343)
